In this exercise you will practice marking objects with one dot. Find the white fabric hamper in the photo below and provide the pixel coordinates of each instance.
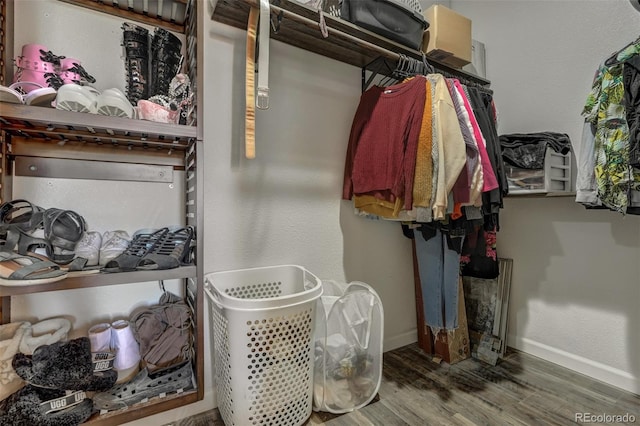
(263, 325)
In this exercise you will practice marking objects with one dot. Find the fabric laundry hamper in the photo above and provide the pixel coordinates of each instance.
(348, 347)
(263, 324)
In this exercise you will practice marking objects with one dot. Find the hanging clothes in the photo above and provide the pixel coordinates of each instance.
(384, 160)
(631, 82)
(425, 152)
(615, 177)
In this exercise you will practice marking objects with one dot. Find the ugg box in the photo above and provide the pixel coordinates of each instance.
(448, 38)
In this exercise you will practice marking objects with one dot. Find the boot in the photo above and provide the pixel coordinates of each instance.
(136, 47)
(165, 61)
(37, 64)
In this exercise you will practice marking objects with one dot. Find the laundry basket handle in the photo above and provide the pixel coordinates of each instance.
(214, 295)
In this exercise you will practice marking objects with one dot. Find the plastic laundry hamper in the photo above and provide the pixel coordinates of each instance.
(263, 325)
(348, 347)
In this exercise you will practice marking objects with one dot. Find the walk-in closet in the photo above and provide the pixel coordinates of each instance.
(260, 187)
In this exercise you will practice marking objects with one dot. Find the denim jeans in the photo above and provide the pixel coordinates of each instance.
(439, 269)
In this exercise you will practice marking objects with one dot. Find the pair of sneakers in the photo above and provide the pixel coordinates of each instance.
(78, 98)
(99, 249)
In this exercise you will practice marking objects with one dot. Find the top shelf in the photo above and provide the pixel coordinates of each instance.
(40, 122)
(171, 15)
(346, 43)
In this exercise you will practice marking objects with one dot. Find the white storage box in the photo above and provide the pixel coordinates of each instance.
(348, 347)
(263, 323)
(553, 178)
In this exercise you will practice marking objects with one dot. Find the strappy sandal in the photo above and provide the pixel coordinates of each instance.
(20, 270)
(21, 214)
(141, 245)
(18, 218)
(62, 230)
(171, 251)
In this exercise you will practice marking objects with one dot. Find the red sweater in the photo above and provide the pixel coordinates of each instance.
(363, 113)
(385, 157)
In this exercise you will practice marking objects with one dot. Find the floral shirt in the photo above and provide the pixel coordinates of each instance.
(605, 110)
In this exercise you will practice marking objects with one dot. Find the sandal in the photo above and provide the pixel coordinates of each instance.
(21, 214)
(40, 96)
(62, 230)
(172, 250)
(20, 270)
(18, 218)
(146, 385)
(142, 244)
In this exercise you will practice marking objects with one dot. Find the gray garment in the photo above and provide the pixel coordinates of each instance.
(586, 191)
(164, 332)
(471, 148)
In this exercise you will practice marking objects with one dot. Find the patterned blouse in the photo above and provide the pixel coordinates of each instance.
(605, 110)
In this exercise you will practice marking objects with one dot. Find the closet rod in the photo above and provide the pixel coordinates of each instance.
(365, 44)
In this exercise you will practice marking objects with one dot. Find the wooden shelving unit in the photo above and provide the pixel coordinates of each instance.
(95, 147)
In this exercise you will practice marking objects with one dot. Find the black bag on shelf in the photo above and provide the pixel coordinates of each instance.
(393, 19)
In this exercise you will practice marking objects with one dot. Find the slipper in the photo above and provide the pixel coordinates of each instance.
(40, 96)
(114, 103)
(73, 97)
(63, 365)
(20, 270)
(32, 405)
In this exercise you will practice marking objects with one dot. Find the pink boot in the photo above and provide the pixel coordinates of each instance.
(72, 72)
(38, 65)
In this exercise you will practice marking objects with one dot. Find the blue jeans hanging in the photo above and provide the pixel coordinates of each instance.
(438, 257)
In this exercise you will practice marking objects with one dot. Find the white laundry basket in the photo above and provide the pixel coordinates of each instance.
(263, 324)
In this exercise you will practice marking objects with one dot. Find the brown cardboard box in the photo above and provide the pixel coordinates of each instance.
(454, 346)
(448, 38)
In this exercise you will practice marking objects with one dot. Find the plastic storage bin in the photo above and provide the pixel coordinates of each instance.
(348, 347)
(263, 322)
(555, 177)
(393, 19)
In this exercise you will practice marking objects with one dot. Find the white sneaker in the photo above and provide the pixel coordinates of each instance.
(89, 247)
(113, 102)
(113, 244)
(73, 97)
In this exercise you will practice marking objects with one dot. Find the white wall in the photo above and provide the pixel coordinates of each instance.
(576, 275)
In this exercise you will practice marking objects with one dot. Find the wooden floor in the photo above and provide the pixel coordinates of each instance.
(520, 390)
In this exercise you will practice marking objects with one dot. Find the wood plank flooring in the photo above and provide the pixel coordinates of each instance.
(520, 390)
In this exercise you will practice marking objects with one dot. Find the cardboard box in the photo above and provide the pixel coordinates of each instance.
(454, 346)
(448, 38)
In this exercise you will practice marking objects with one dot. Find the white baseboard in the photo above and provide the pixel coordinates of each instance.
(397, 341)
(613, 376)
